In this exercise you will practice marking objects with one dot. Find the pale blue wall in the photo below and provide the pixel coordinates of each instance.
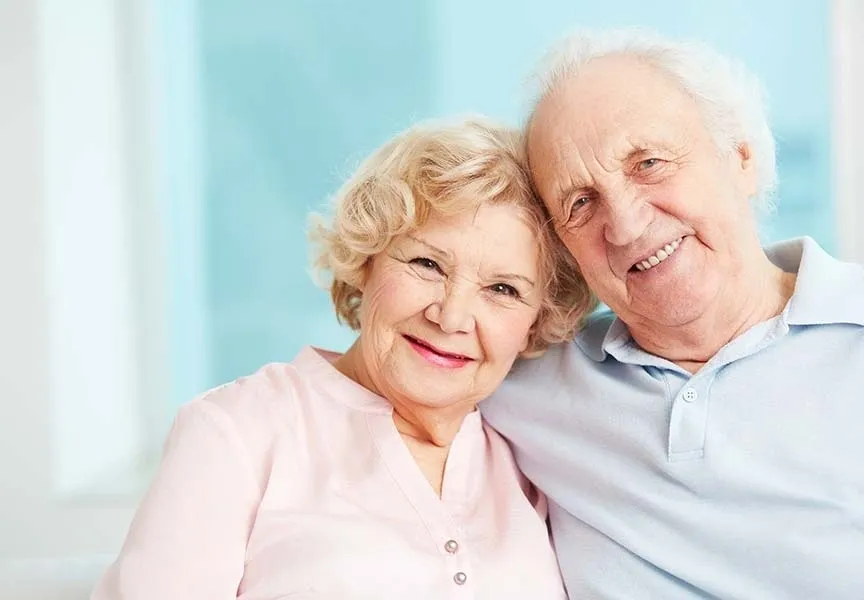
(293, 93)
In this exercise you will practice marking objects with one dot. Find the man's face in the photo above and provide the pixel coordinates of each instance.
(656, 216)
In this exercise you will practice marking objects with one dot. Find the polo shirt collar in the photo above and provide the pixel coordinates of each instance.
(827, 291)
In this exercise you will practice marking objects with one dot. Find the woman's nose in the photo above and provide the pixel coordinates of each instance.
(453, 311)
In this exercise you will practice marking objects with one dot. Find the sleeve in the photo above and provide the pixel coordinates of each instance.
(188, 538)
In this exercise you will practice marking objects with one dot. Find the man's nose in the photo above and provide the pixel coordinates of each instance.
(627, 217)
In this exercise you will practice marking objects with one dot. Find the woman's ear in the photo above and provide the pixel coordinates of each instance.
(527, 342)
(363, 275)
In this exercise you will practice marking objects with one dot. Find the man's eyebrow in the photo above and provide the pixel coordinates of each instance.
(635, 153)
(639, 152)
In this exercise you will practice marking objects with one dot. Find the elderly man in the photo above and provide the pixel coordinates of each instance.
(706, 439)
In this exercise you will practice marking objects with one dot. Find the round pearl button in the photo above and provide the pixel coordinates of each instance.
(451, 546)
(460, 578)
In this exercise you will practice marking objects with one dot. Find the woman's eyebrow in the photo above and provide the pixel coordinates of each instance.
(513, 277)
(508, 277)
(432, 247)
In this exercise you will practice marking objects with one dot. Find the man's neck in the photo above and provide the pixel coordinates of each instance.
(693, 344)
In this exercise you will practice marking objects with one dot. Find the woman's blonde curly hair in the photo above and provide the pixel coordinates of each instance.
(445, 169)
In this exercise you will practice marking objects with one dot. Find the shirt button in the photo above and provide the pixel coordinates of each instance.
(690, 395)
(451, 546)
(460, 578)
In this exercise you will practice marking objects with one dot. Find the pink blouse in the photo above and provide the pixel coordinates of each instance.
(294, 483)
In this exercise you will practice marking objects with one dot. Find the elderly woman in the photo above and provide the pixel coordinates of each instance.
(369, 474)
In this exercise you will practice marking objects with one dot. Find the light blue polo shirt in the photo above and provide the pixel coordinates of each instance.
(744, 481)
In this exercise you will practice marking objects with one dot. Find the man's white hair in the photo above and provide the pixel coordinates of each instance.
(731, 98)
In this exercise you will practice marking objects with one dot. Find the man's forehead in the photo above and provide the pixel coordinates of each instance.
(579, 118)
(594, 112)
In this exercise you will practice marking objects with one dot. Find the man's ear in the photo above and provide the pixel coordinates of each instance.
(745, 167)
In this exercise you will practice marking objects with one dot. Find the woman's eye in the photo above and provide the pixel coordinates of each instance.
(648, 163)
(426, 263)
(505, 290)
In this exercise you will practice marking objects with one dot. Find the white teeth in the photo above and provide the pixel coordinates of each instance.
(661, 255)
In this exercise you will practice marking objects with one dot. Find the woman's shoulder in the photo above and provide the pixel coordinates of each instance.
(269, 398)
(279, 402)
(249, 418)
(279, 396)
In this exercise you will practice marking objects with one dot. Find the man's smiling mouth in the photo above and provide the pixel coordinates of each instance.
(658, 257)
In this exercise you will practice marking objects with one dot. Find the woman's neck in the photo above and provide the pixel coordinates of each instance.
(428, 431)
(430, 457)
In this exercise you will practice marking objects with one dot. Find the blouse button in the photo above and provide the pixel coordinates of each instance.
(451, 546)
(460, 578)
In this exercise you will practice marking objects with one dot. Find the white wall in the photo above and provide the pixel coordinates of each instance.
(34, 522)
(848, 126)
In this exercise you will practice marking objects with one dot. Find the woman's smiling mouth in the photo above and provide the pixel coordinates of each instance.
(436, 356)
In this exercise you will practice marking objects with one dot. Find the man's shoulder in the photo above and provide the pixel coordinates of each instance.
(587, 344)
(591, 338)
(548, 374)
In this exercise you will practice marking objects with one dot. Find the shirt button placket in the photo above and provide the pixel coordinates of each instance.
(688, 423)
(460, 577)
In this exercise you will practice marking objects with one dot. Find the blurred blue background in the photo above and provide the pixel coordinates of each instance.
(289, 96)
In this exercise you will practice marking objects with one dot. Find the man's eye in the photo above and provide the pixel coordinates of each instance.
(648, 163)
(577, 208)
(505, 290)
(426, 263)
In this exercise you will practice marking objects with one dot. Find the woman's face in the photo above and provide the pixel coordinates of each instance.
(447, 308)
